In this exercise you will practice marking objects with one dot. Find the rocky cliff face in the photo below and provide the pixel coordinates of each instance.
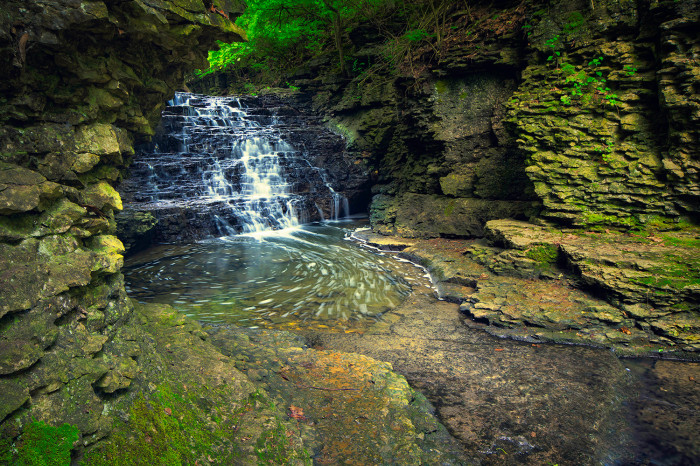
(80, 81)
(581, 117)
(583, 112)
(607, 123)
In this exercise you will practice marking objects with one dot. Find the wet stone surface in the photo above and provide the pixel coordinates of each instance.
(348, 408)
(504, 401)
(525, 283)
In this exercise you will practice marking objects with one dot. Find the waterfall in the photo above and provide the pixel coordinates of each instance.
(226, 167)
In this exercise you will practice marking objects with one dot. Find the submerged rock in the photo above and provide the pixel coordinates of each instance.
(348, 408)
(506, 402)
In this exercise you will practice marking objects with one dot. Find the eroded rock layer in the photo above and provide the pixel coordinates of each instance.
(80, 82)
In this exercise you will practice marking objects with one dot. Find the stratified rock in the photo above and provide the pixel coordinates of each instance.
(651, 280)
(135, 228)
(80, 82)
(428, 216)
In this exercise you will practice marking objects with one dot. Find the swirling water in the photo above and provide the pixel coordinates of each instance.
(309, 277)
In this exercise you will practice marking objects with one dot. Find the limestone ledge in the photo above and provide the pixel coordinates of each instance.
(638, 295)
(424, 216)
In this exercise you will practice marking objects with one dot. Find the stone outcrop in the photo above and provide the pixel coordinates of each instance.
(80, 82)
(537, 283)
(348, 406)
(608, 136)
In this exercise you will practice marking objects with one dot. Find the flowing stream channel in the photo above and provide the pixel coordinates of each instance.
(308, 277)
(261, 263)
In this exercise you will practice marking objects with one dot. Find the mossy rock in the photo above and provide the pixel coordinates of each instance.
(40, 444)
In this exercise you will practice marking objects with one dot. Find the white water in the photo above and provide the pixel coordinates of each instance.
(216, 158)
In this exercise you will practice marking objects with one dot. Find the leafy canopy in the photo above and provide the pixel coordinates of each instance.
(283, 34)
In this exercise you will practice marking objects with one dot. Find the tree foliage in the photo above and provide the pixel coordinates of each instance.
(283, 34)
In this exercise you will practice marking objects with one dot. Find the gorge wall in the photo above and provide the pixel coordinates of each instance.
(80, 81)
(580, 117)
(494, 129)
(603, 132)
(585, 113)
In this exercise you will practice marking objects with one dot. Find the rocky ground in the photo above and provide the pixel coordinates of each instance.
(348, 408)
(636, 293)
(528, 402)
(236, 397)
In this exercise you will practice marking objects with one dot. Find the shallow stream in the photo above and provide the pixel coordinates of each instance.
(309, 277)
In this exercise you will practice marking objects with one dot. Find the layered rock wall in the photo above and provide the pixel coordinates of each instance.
(607, 122)
(79, 83)
(584, 113)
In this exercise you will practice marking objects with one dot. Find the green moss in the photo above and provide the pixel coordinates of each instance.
(274, 447)
(40, 445)
(681, 242)
(592, 219)
(544, 254)
(174, 426)
(441, 86)
(449, 208)
(573, 22)
(675, 275)
(169, 428)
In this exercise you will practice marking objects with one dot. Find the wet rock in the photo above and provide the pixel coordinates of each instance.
(37, 269)
(531, 291)
(504, 401)
(337, 398)
(22, 190)
(428, 216)
(70, 114)
(24, 338)
(649, 277)
(14, 395)
(107, 251)
(100, 196)
(135, 229)
(661, 409)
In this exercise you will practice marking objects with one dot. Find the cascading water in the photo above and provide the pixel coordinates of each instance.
(222, 169)
(218, 168)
